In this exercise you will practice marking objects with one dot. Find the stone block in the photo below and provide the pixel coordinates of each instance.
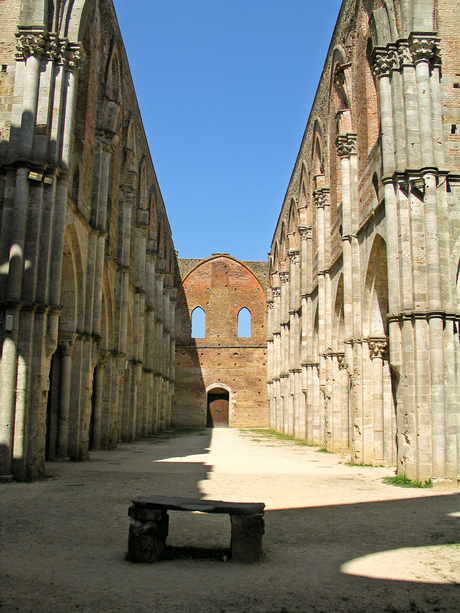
(247, 532)
(147, 539)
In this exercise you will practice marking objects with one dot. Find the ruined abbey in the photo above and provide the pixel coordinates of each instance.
(352, 326)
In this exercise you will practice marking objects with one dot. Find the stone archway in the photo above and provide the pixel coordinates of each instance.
(58, 405)
(375, 328)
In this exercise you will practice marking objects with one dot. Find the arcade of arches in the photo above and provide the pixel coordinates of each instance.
(347, 337)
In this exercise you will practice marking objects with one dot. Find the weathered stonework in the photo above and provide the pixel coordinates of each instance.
(363, 337)
(222, 362)
(86, 291)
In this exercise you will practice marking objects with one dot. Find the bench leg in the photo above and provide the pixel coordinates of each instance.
(147, 538)
(247, 531)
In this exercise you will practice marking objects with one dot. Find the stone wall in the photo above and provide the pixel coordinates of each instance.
(87, 298)
(363, 311)
(221, 286)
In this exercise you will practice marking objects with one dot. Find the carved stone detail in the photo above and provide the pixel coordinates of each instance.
(404, 54)
(270, 305)
(284, 276)
(73, 57)
(385, 60)
(377, 348)
(346, 144)
(67, 347)
(305, 232)
(103, 355)
(294, 256)
(424, 48)
(321, 197)
(276, 292)
(30, 43)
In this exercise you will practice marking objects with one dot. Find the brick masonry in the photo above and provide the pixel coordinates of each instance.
(221, 286)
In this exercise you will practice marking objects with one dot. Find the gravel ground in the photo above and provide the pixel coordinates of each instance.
(337, 539)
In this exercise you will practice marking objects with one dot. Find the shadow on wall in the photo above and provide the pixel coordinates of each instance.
(188, 397)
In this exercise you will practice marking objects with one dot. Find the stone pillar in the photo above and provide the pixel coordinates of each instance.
(377, 347)
(321, 200)
(345, 403)
(105, 143)
(67, 347)
(277, 419)
(270, 362)
(286, 403)
(98, 397)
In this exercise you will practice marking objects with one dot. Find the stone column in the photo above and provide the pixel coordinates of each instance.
(277, 418)
(67, 347)
(345, 403)
(98, 397)
(284, 347)
(321, 201)
(105, 143)
(270, 362)
(294, 340)
(377, 347)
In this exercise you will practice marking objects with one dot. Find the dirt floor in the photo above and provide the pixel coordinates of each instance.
(336, 538)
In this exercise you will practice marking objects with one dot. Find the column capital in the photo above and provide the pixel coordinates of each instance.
(270, 305)
(105, 140)
(346, 144)
(31, 42)
(284, 276)
(404, 54)
(276, 292)
(305, 232)
(102, 362)
(377, 347)
(385, 60)
(321, 197)
(73, 56)
(294, 256)
(423, 46)
(67, 346)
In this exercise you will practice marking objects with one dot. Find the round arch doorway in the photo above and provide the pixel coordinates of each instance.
(218, 397)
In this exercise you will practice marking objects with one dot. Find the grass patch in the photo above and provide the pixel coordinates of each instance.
(323, 450)
(404, 481)
(170, 433)
(362, 464)
(261, 434)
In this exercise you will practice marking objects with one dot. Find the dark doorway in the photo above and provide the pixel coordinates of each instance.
(217, 408)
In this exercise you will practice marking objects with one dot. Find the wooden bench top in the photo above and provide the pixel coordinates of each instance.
(193, 504)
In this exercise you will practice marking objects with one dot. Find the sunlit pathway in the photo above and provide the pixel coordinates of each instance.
(336, 538)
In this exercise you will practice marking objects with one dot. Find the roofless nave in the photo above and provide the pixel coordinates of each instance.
(363, 303)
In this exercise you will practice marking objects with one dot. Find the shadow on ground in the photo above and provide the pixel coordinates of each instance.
(64, 540)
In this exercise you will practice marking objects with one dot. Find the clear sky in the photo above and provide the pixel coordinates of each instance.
(225, 89)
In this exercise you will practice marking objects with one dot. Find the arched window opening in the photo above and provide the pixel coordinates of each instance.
(244, 323)
(198, 323)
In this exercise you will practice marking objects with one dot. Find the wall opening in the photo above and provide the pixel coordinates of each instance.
(217, 408)
(244, 323)
(198, 323)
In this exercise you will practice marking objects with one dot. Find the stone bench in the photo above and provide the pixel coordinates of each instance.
(149, 525)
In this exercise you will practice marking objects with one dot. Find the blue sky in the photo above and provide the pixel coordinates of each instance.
(225, 89)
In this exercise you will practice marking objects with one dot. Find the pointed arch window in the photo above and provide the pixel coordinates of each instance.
(198, 323)
(244, 323)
